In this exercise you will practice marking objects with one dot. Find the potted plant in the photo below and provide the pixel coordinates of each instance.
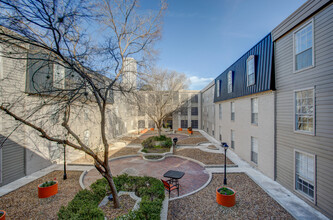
(2, 215)
(47, 189)
(152, 129)
(189, 129)
(226, 196)
(180, 129)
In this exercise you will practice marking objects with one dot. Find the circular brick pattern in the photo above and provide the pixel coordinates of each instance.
(194, 178)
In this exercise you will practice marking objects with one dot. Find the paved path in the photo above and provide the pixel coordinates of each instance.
(195, 175)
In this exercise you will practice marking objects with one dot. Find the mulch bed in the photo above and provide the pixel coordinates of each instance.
(24, 203)
(202, 156)
(192, 141)
(251, 202)
(126, 205)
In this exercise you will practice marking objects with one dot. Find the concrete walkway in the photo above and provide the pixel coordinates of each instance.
(294, 205)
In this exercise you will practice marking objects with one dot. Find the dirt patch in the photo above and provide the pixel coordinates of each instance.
(251, 202)
(192, 141)
(202, 156)
(157, 150)
(126, 205)
(24, 203)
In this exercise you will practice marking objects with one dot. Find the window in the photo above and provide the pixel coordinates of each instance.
(250, 70)
(194, 111)
(194, 99)
(218, 88)
(303, 47)
(220, 130)
(141, 124)
(58, 76)
(194, 123)
(232, 138)
(230, 81)
(232, 108)
(254, 111)
(183, 111)
(1, 76)
(184, 124)
(304, 110)
(305, 174)
(254, 150)
(220, 111)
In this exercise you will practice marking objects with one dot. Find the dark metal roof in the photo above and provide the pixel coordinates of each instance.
(264, 79)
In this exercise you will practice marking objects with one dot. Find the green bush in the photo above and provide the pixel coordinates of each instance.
(85, 203)
(163, 142)
(48, 183)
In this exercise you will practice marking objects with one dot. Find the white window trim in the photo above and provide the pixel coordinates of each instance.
(254, 66)
(255, 124)
(256, 164)
(294, 47)
(232, 104)
(232, 79)
(218, 88)
(314, 173)
(313, 133)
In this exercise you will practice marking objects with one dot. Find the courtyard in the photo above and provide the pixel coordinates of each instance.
(199, 158)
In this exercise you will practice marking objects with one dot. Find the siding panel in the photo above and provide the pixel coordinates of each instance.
(320, 77)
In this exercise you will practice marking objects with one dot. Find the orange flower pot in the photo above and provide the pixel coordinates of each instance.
(152, 129)
(180, 129)
(45, 192)
(190, 132)
(3, 217)
(226, 200)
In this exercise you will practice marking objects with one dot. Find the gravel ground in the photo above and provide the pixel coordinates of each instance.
(24, 203)
(113, 153)
(125, 151)
(202, 156)
(126, 205)
(192, 141)
(251, 202)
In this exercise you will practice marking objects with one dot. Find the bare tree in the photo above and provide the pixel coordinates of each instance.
(70, 65)
(159, 94)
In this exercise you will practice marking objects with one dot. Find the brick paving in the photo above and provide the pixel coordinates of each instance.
(195, 175)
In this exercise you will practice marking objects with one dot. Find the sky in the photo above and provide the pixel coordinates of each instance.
(202, 38)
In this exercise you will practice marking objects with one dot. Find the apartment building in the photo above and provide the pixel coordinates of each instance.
(244, 107)
(303, 56)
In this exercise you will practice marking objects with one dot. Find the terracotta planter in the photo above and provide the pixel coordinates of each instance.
(45, 192)
(226, 200)
(180, 129)
(152, 129)
(3, 217)
(190, 132)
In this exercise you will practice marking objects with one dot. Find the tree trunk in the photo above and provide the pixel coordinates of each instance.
(106, 172)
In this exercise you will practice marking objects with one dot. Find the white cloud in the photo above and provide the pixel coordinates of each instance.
(198, 83)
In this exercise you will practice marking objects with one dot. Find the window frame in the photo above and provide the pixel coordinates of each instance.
(304, 195)
(232, 111)
(252, 151)
(230, 77)
(220, 111)
(194, 111)
(294, 46)
(252, 112)
(193, 122)
(185, 123)
(313, 132)
(252, 57)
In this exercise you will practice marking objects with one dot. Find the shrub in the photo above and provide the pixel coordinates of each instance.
(48, 183)
(85, 203)
(162, 140)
